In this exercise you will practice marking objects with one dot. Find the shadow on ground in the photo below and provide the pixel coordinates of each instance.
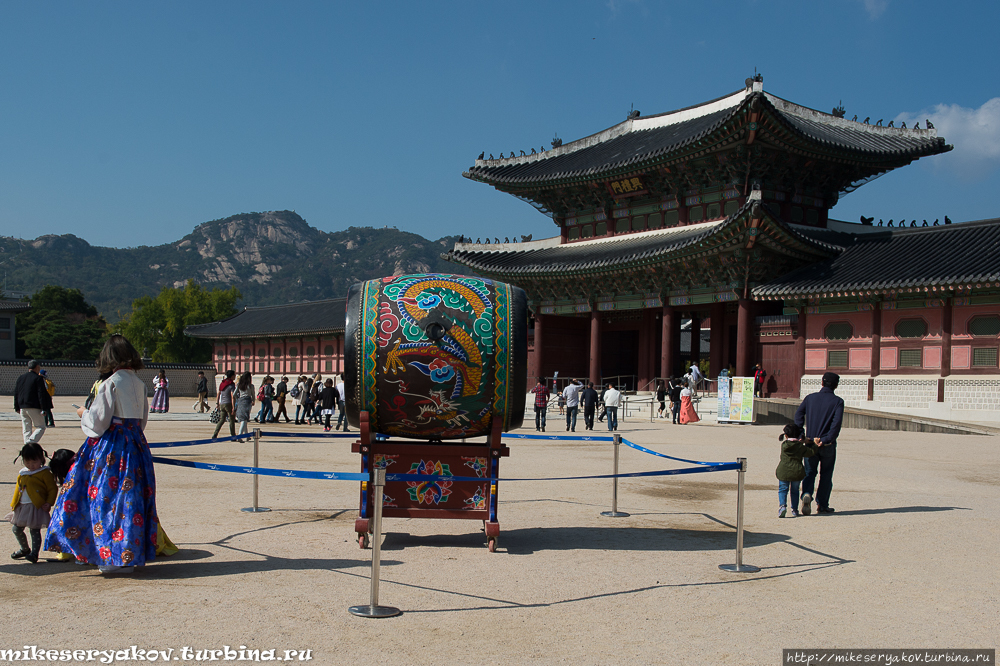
(898, 509)
(534, 539)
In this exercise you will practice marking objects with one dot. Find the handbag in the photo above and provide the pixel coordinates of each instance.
(215, 415)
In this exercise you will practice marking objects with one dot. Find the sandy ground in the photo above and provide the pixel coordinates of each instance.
(909, 559)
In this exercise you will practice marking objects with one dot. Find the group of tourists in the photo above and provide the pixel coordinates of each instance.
(681, 393)
(571, 398)
(316, 401)
(98, 504)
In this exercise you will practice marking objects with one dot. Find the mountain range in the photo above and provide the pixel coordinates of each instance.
(272, 258)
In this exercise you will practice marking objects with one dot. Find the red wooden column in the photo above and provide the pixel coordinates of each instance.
(876, 368)
(595, 346)
(946, 325)
(695, 339)
(715, 352)
(645, 362)
(744, 338)
(800, 350)
(539, 350)
(671, 338)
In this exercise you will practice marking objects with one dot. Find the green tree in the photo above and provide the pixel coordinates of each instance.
(60, 325)
(157, 324)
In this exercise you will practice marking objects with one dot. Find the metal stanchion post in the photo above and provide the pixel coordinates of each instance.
(615, 513)
(739, 567)
(256, 459)
(373, 609)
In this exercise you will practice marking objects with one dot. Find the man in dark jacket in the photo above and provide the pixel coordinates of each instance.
(31, 399)
(588, 397)
(822, 414)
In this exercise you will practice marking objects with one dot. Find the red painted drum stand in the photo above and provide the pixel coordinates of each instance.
(464, 500)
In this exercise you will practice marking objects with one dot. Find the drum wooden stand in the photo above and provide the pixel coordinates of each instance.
(463, 500)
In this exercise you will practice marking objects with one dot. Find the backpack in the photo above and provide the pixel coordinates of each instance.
(50, 388)
(260, 393)
(294, 392)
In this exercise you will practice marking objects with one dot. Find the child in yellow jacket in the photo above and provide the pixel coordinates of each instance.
(34, 494)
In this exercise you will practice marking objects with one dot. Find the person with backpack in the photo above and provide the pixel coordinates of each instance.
(301, 398)
(313, 411)
(50, 388)
(264, 396)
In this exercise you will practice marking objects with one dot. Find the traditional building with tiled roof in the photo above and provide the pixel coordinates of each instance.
(8, 332)
(717, 216)
(299, 338)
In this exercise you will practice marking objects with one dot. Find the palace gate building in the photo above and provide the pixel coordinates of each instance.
(717, 215)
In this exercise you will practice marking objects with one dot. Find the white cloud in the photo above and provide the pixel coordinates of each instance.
(875, 8)
(975, 133)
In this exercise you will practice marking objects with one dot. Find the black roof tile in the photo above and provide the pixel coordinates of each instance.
(628, 143)
(306, 318)
(605, 254)
(957, 254)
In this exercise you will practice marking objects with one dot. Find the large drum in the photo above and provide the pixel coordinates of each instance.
(436, 357)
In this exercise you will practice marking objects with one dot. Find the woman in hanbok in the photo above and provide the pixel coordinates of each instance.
(161, 394)
(688, 415)
(106, 513)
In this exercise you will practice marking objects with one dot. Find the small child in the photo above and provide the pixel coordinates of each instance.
(561, 401)
(60, 463)
(791, 471)
(34, 495)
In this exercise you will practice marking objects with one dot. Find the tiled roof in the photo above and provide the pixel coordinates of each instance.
(602, 254)
(306, 318)
(653, 138)
(14, 306)
(957, 254)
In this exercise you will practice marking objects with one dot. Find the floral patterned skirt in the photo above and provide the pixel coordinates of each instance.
(161, 401)
(106, 511)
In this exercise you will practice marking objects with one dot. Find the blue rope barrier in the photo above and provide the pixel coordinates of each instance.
(308, 434)
(663, 455)
(266, 471)
(584, 438)
(195, 442)
(360, 476)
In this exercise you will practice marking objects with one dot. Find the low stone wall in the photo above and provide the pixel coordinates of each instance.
(76, 377)
(777, 411)
(966, 398)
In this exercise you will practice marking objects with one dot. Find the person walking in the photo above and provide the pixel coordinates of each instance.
(281, 393)
(661, 397)
(31, 398)
(688, 413)
(572, 395)
(224, 401)
(822, 414)
(243, 400)
(341, 404)
(50, 388)
(589, 397)
(264, 396)
(202, 404)
(675, 398)
(301, 395)
(541, 392)
(790, 470)
(612, 398)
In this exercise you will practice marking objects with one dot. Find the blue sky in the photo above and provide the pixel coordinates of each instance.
(130, 123)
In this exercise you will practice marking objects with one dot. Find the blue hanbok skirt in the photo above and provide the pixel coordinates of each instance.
(106, 511)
